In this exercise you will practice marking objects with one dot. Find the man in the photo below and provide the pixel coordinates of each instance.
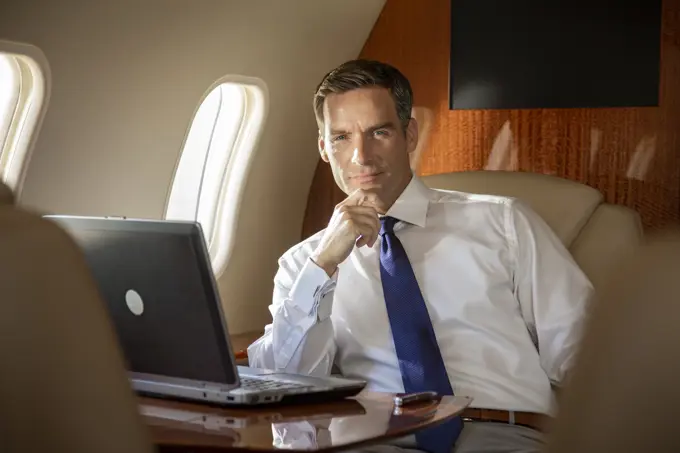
(416, 289)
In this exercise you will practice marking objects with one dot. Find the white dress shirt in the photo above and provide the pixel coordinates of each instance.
(506, 299)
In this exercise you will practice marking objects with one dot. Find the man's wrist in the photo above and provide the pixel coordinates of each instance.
(328, 268)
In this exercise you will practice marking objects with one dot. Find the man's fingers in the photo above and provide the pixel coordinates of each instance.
(367, 228)
(360, 210)
(371, 221)
(365, 240)
(360, 198)
(363, 214)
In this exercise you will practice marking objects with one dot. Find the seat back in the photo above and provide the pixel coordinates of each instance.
(6, 195)
(596, 233)
(624, 391)
(63, 385)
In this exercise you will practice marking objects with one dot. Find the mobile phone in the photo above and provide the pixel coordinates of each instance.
(408, 398)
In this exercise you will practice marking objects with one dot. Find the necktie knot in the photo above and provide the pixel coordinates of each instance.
(387, 225)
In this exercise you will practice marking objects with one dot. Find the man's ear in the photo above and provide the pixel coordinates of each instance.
(322, 148)
(412, 136)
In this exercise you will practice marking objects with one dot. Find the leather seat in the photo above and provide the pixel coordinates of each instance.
(595, 232)
(63, 385)
(6, 195)
(624, 393)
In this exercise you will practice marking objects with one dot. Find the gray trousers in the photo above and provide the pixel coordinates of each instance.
(488, 437)
(479, 437)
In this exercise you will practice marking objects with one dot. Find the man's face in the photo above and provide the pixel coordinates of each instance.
(365, 144)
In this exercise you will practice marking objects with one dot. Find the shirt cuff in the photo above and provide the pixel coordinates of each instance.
(311, 286)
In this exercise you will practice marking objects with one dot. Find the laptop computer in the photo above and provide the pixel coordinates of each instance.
(158, 283)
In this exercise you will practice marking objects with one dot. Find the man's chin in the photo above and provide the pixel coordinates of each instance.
(368, 186)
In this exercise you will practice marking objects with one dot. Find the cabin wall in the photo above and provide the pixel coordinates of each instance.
(632, 155)
(127, 77)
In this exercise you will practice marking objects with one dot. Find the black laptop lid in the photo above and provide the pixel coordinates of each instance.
(156, 278)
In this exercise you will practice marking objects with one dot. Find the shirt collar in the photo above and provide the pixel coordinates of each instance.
(412, 204)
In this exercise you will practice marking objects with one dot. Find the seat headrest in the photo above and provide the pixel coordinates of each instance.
(63, 370)
(6, 195)
(565, 205)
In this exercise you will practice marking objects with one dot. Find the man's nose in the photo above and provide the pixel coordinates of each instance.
(361, 154)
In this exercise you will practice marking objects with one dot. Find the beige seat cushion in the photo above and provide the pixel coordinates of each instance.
(564, 205)
(624, 394)
(611, 232)
(596, 233)
(63, 386)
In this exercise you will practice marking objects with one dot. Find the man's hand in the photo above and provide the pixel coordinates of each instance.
(354, 222)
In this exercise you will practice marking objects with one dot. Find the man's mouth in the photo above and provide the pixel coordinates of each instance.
(366, 177)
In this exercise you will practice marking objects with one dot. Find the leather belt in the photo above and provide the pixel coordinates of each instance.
(539, 422)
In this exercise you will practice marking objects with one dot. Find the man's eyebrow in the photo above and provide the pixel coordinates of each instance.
(387, 125)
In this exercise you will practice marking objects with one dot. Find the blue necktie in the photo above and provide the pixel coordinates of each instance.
(421, 364)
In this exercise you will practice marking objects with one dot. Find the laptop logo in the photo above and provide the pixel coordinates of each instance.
(134, 302)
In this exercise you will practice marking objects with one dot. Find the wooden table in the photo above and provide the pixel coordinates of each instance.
(367, 419)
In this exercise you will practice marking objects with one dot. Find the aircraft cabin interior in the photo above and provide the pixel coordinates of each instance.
(197, 120)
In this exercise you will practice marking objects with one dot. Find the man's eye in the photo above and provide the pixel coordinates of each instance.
(339, 137)
(380, 132)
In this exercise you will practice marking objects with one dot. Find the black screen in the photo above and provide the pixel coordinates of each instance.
(180, 332)
(524, 54)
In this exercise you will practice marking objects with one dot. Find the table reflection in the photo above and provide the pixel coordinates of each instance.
(333, 431)
(348, 423)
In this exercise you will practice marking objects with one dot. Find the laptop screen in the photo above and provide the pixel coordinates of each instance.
(156, 278)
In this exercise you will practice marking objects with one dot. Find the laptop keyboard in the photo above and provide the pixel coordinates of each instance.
(267, 384)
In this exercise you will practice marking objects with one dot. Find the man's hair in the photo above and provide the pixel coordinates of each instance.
(356, 74)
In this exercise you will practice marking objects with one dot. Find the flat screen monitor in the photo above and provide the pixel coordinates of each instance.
(530, 54)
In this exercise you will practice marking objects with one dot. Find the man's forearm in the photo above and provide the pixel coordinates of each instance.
(300, 338)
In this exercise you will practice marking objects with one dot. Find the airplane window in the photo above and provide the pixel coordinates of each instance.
(213, 166)
(22, 88)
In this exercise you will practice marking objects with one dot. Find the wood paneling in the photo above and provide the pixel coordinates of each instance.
(630, 154)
